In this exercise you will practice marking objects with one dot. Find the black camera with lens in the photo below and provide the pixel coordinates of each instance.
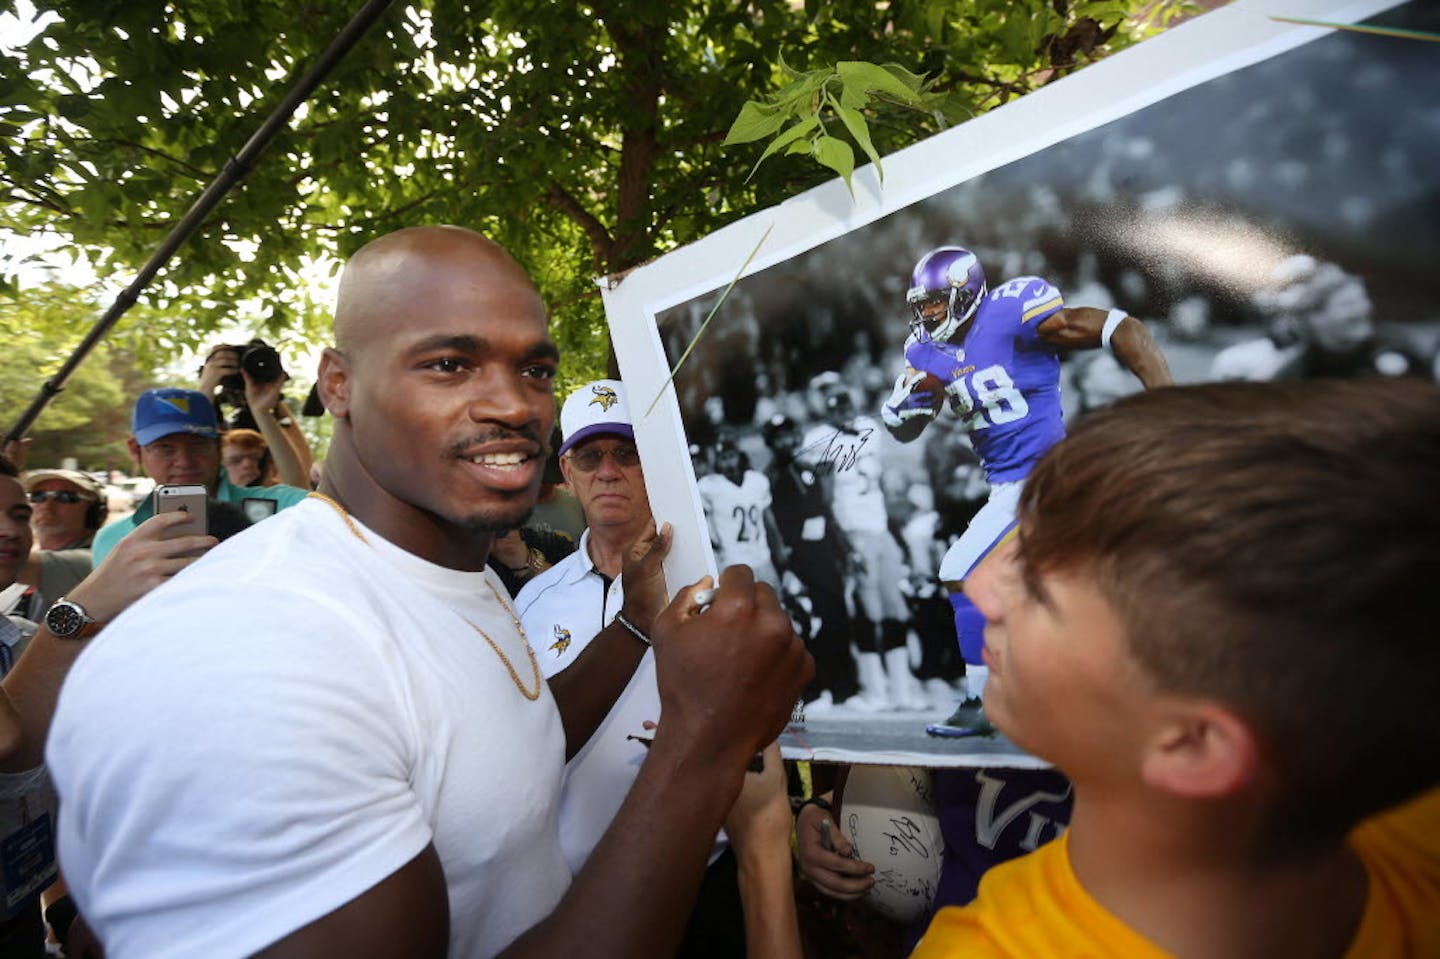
(260, 360)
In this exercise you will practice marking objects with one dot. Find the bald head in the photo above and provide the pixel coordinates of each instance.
(442, 388)
(418, 268)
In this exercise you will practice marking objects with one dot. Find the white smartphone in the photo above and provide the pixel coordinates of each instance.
(183, 499)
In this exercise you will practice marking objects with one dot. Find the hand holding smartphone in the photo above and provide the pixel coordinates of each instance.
(183, 499)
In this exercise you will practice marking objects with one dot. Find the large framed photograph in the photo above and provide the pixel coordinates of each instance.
(1264, 195)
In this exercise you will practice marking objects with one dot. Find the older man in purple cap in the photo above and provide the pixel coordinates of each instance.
(176, 440)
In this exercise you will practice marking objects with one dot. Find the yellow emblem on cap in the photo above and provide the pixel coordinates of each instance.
(181, 403)
(562, 640)
(605, 397)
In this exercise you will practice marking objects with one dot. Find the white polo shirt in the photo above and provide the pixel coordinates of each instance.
(562, 610)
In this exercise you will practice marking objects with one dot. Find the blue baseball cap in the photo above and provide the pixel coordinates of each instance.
(160, 413)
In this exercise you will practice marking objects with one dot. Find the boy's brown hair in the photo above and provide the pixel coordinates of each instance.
(1274, 547)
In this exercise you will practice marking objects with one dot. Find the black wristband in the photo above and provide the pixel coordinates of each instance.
(639, 633)
(822, 803)
(60, 915)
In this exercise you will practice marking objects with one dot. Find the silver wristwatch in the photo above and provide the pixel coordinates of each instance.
(67, 619)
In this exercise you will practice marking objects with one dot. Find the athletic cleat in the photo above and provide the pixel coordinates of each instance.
(967, 720)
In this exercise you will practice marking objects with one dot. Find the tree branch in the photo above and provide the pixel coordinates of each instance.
(601, 242)
(37, 201)
(199, 174)
(641, 53)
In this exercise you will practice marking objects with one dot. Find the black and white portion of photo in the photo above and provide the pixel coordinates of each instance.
(860, 415)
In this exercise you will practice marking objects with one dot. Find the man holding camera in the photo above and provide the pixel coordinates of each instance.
(249, 378)
(176, 440)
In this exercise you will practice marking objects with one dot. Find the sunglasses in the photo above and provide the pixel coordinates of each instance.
(589, 460)
(58, 495)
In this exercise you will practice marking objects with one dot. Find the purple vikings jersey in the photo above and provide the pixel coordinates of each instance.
(1002, 380)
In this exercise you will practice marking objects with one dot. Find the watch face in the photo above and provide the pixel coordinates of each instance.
(64, 619)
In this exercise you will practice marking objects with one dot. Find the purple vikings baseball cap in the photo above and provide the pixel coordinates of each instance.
(159, 413)
(595, 408)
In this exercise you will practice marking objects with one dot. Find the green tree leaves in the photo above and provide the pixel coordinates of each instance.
(973, 56)
(587, 139)
(835, 154)
(755, 122)
(90, 418)
(812, 97)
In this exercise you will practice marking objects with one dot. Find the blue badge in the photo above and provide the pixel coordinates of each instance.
(27, 857)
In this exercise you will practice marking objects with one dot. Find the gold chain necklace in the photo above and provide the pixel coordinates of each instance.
(514, 676)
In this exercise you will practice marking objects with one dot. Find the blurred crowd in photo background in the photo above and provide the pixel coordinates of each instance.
(1302, 317)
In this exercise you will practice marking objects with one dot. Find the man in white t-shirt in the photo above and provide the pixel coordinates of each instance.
(340, 742)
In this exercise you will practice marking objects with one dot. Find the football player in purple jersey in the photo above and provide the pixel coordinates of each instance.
(994, 354)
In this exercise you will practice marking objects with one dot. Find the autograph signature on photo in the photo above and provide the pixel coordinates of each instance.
(841, 449)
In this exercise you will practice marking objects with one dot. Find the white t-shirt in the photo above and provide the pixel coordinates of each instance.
(287, 723)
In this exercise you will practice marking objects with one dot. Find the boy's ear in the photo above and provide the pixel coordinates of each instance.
(1201, 751)
(332, 382)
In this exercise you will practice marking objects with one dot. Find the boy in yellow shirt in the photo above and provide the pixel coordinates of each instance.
(1218, 618)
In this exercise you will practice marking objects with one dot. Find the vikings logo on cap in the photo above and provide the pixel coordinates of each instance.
(562, 640)
(605, 397)
(598, 407)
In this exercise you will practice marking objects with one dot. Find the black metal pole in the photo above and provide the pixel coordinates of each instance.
(235, 168)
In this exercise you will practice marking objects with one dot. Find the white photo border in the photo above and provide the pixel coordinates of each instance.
(1199, 50)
